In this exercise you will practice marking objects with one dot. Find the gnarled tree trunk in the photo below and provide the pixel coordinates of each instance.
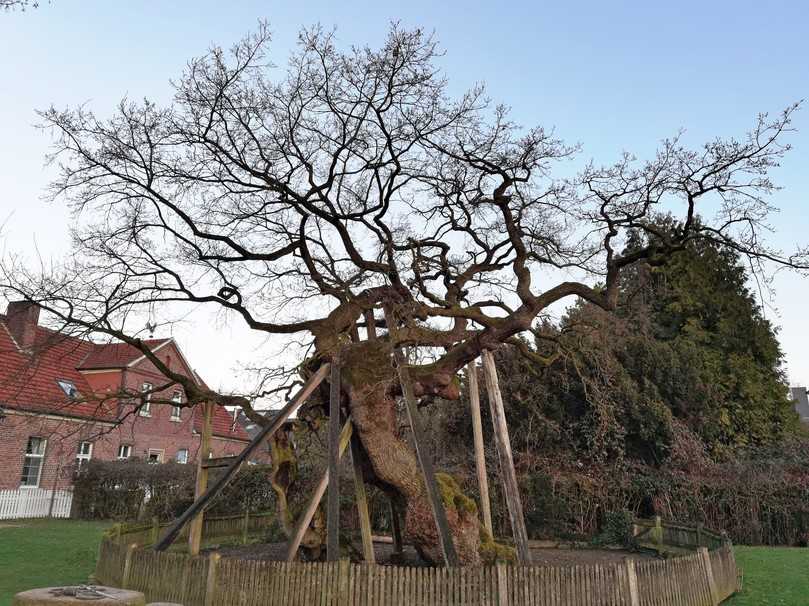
(372, 384)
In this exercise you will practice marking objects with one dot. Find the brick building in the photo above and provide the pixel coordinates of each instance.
(54, 416)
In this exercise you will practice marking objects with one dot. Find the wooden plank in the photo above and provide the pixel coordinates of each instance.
(333, 503)
(201, 485)
(425, 462)
(395, 528)
(217, 462)
(362, 501)
(320, 490)
(264, 434)
(480, 456)
(706, 562)
(511, 489)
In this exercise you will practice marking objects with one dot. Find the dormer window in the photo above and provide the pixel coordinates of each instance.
(69, 387)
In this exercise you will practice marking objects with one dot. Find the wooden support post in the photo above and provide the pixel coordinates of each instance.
(311, 508)
(343, 578)
(370, 324)
(154, 531)
(425, 461)
(396, 528)
(510, 488)
(333, 505)
(210, 582)
(362, 502)
(195, 529)
(657, 534)
(706, 560)
(245, 526)
(632, 582)
(265, 434)
(480, 455)
(502, 585)
(127, 572)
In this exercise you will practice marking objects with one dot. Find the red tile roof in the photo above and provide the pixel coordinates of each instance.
(116, 355)
(28, 381)
(222, 425)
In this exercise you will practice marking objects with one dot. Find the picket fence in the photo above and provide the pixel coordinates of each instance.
(703, 577)
(35, 503)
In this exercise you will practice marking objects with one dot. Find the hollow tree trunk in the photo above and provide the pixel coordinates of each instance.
(371, 383)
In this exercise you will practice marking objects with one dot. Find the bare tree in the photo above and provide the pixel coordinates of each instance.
(11, 5)
(307, 200)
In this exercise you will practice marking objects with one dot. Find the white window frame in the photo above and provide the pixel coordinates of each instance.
(176, 411)
(184, 459)
(127, 448)
(39, 456)
(158, 451)
(73, 392)
(146, 406)
(81, 457)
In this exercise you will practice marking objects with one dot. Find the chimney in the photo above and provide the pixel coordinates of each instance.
(22, 318)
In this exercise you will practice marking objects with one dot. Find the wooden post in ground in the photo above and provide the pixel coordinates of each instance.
(195, 529)
(510, 488)
(396, 528)
(632, 582)
(311, 508)
(333, 506)
(210, 581)
(480, 455)
(706, 560)
(127, 565)
(265, 434)
(362, 502)
(370, 324)
(425, 461)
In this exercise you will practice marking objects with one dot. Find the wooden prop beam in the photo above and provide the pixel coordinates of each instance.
(320, 490)
(217, 462)
(362, 502)
(264, 434)
(503, 442)
(396, 528)
(424, 458)
(195, 529)
(333, 506)
(480, 455)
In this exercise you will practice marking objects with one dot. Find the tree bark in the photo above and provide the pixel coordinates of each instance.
(371, 384)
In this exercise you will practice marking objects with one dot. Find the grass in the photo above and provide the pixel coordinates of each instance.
(772, 576)
(43, 553)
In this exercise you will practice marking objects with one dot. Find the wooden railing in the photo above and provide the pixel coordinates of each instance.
(705, 576)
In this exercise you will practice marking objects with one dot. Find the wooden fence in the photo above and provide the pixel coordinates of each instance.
(700, 578)
(35, 503)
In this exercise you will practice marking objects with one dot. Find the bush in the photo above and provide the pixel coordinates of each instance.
(617, 530)
(135, 490)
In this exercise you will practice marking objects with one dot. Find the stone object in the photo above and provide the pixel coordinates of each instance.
(86, 595)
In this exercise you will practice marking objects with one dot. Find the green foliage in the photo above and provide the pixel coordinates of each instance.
(688, 349)
(617, 530)
(133, 489)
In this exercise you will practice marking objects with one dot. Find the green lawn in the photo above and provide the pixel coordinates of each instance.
(41, 553)
(773, 576)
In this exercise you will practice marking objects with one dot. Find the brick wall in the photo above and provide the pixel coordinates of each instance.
(157, 432)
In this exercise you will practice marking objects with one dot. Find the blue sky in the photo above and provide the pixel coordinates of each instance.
(613, 76)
